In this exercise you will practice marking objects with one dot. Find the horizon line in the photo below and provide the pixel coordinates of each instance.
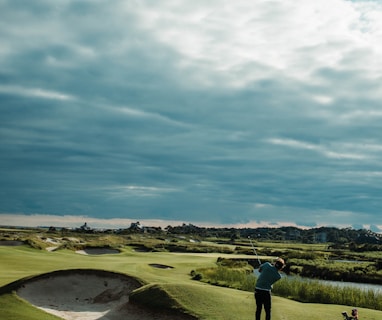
(73, 221)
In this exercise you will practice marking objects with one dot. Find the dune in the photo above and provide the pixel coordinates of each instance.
(89, 295)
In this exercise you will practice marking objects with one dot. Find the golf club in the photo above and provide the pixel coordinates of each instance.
(254, 250)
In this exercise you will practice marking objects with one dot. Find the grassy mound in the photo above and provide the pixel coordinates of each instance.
(156, 297)
(14, 308)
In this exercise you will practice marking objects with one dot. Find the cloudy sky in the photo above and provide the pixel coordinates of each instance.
(217, 112)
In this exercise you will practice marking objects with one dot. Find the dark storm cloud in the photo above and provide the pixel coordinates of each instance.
(185, 112)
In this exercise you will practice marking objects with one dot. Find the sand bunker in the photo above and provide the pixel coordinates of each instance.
(88, 295)
(98, 251)
(160, 266)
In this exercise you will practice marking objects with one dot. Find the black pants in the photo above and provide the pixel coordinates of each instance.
(263, 298)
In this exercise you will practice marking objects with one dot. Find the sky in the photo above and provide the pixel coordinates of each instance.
(218, 112)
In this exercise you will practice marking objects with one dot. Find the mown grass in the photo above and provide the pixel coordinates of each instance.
(206, 301)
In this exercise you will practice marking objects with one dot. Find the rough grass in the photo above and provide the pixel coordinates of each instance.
(315, 291)
(293, 288)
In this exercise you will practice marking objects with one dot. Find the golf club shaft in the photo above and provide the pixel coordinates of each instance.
(254, 250)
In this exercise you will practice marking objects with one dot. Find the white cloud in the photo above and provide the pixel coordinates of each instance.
(219, 38)
(327, 151)
(360, 115)
(146, 115)
(35, 93)
(322, 99)
(137, 191)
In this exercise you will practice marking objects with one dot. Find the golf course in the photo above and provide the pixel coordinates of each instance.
(75, 276)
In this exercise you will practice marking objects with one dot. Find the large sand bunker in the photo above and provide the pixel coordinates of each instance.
(89, 295)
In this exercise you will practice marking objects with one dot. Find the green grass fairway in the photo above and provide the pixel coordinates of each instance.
(206, 301)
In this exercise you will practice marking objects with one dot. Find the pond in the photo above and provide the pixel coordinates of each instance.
(364, 286)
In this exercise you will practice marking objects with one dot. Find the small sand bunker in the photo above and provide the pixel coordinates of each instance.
(141, 249)
(88, 295)
(160, 266)
(98, 251)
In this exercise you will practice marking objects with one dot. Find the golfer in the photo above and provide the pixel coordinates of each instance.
(269, 274)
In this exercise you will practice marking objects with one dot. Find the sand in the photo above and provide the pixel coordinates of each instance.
(88, 295)
(97, 251)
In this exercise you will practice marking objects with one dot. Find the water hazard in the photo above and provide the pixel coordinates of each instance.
(341, 284)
